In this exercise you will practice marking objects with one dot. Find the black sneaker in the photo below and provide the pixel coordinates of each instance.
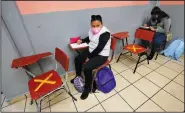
(85, 93)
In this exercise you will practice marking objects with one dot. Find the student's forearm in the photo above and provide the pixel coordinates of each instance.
(85, 40)
(160, 30)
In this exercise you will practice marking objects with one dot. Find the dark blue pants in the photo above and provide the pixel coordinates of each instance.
(158, 39)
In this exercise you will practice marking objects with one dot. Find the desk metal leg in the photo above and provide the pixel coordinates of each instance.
(123, 42)
(30, 74)
(121, 52)
(123, 48)
(127, 44)
(126, 41)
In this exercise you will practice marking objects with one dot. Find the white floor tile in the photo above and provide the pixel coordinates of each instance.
(116, 104)
(133, 97)
(66, 105)
(119, 67)
(121, 83)
(149, 106)
(146, 87)
(83, 105)
(97, 108)
(102, 96)
(167, 72)
(168, 102)
(158, 79)
(176, 90)
(130, 76)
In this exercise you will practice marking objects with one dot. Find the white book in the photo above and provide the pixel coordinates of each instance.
(144, 27)
(75, 45)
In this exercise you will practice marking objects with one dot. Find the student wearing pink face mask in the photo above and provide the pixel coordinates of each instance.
(99, 40)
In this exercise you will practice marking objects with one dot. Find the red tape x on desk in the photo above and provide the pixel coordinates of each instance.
(24, 61)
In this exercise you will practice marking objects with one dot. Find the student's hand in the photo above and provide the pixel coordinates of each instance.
(151, 28)
(86, 60)
(145, 25)
(79, 41)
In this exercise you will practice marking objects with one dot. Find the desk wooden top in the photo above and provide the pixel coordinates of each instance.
(27, 60)
(121, 35)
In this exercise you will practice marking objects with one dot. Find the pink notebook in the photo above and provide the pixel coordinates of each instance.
(74, 39)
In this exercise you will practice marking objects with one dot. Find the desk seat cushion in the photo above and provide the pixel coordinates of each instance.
(53, 82)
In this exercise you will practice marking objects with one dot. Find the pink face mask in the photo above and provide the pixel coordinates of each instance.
(95, 30)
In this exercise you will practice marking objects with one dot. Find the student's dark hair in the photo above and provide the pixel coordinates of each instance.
(96, 17)
(162, 15)
(155, 10)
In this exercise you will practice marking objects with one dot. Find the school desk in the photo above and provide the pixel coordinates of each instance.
(121, 36)
(77, 49)
(23, 62)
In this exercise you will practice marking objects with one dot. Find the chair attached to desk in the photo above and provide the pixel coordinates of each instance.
(44, 85)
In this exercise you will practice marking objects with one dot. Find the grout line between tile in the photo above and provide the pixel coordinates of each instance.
(143, 77)
(99, 102)
(72, 99)
(170, 69)
(93, 107)
(141, 92)
(166, 84)
(159, 91)
(149, 98)
(169, 92)
(177, 82)
(125, 100)
(176, 62)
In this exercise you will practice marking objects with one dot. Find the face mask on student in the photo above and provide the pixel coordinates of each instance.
(154, 17)
(95, 30)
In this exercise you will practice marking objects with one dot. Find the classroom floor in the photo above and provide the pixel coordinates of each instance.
(157, 87)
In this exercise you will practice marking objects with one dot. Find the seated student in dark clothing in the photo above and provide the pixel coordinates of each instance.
(99, 40)
(163, 27)
(151, 20)
(159, 22)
